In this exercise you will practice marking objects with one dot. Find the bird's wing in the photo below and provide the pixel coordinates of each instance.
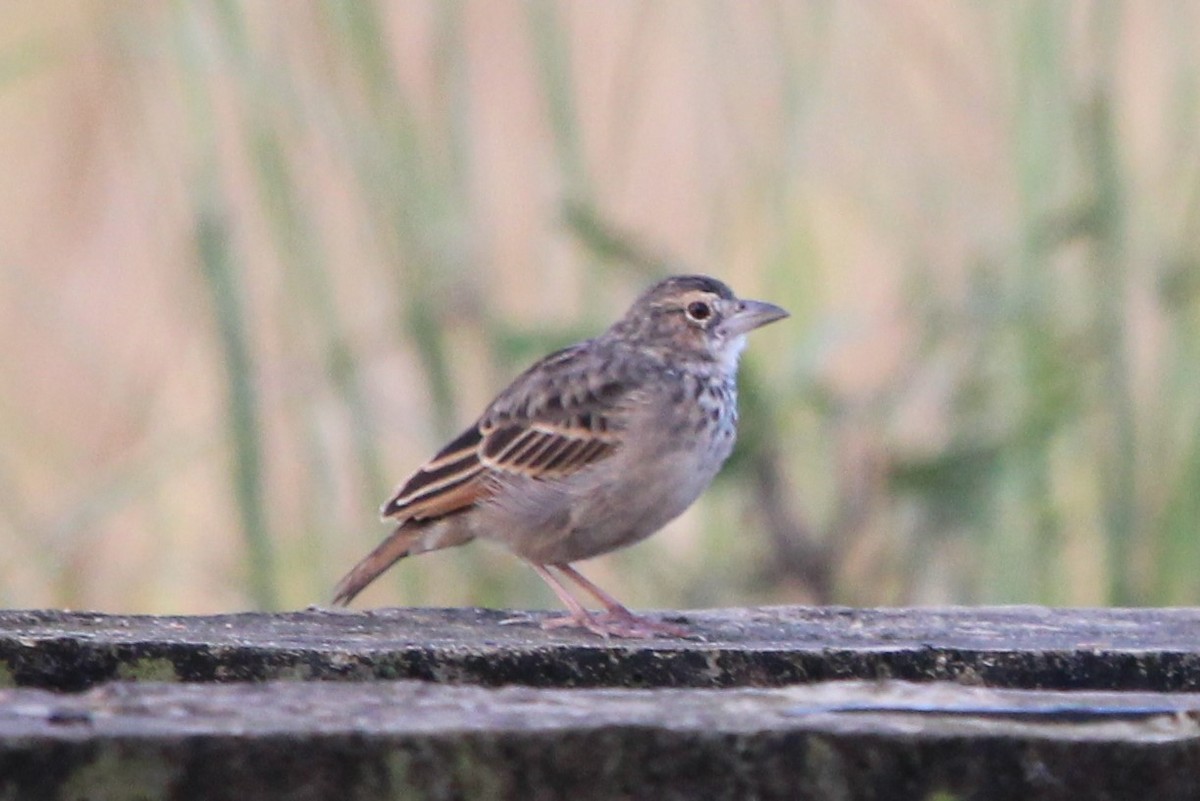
(558, 417)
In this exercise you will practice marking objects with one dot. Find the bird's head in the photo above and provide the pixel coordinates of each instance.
(695, 314)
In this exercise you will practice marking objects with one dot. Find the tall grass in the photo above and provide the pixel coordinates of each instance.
(982, 218)
(243, 410)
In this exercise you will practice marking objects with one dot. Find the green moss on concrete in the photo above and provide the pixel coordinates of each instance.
(148, 669)
(824, 764)
(113, 774)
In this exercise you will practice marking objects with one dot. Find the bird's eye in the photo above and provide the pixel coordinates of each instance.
(698, 310)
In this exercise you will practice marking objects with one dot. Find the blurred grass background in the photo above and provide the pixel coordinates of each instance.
(258, 259)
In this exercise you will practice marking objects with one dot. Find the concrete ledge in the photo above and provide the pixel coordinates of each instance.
(1017, 647)
(420, 741)
(192, 707)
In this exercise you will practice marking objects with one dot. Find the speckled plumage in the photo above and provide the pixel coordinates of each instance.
(591, 449)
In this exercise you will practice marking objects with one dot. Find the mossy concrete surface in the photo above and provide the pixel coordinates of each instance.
(412, 740)
(1031, 647)
(780, 702)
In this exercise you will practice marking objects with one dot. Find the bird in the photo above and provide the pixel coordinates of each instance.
(593, 448)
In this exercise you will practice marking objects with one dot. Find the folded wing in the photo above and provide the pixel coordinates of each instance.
(550, 423)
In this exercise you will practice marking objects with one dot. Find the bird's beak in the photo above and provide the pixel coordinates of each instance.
(751, 314)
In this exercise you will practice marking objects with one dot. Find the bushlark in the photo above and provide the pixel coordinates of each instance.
(591, 449)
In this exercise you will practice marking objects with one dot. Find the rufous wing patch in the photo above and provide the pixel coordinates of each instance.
(547, 450)
(448, 482)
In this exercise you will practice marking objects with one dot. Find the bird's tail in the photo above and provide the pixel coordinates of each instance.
(408, 538)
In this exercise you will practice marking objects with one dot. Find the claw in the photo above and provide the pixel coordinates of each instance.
(617, 624)
(620, 616)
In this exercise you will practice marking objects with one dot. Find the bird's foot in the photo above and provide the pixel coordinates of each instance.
(617, 622)
(645, 626)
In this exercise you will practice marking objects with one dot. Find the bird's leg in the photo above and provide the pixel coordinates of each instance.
(578, 617)
(611, 605)
(627, 624)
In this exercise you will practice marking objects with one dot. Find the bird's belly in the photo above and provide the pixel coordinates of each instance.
(618, 503)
